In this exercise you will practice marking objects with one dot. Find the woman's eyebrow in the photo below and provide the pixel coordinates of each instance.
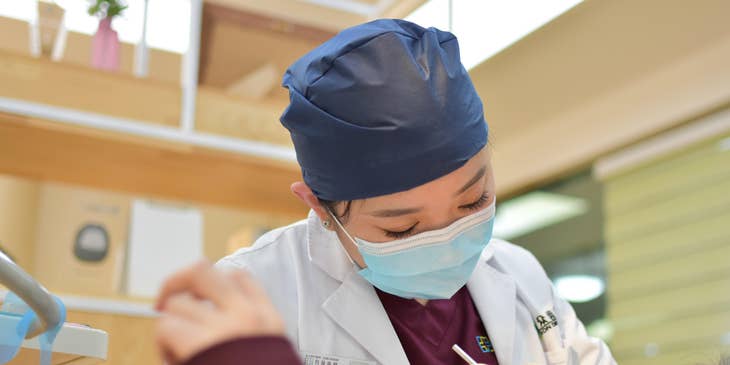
(386, 213)
(473, 180)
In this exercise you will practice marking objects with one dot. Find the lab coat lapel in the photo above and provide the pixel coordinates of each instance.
(354, 305)
(495, 297)
(356, 308)
(325, 250)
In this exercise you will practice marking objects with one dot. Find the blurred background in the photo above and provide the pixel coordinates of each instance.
(136, 140)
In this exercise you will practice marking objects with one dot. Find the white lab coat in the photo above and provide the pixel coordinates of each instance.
(333, 313)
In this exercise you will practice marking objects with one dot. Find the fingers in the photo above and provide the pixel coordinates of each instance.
(166, 356)
(201, 280)
(177, 283)
(248, 287)
(259, 300)
(187, 307)
(201, 306)
(173, 337)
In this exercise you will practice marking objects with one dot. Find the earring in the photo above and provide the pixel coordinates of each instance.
(326, 224)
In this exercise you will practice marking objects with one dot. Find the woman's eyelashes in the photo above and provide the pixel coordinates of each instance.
(400, 234)
(483, 199)
(477, 204)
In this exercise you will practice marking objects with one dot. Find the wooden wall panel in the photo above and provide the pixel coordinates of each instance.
(131, 339)
(14, 36)
(18, 212)
(56, 211)
(63, 211)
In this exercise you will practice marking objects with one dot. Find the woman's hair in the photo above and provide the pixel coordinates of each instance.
(331, 204)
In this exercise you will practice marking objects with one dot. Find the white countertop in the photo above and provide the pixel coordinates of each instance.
(74, 344)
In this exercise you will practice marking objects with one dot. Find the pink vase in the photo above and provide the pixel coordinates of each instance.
(105, 47)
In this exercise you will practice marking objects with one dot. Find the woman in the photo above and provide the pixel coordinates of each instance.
(395, 263)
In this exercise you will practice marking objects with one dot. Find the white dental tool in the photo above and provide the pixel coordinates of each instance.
(464, 355)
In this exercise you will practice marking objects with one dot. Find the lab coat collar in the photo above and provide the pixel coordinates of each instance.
(354, 305)
(325, 250)
(357, 309)
(495, 297)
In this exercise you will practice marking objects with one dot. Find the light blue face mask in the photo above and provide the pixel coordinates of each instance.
(429, 265)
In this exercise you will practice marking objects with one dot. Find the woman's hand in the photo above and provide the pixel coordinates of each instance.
(202, 306)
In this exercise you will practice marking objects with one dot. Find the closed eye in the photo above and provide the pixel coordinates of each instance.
(471, 207)
(400, 234)
(477, 204)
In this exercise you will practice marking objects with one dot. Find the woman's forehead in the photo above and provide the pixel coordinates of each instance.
(445, 186)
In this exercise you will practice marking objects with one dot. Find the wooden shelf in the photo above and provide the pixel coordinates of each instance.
(53, 151)
(123, 96)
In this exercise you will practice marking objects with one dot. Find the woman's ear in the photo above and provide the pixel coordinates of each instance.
(305, 194)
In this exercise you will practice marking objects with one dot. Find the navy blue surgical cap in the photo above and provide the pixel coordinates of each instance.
(381, 108)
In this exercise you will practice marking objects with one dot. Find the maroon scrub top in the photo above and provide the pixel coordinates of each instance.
(428, 332)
